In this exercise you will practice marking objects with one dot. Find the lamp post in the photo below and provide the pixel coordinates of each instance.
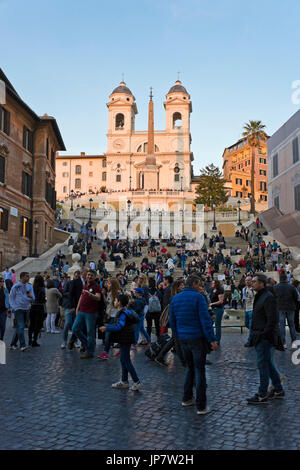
(90, 218)
(149, 223)
(239, 209)
(214, 227)
(72, 196)
(36, 227)
(128, 213)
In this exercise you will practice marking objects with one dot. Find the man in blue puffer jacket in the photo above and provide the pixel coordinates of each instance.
(191, 323)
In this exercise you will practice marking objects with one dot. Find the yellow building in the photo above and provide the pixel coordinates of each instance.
(237, 170)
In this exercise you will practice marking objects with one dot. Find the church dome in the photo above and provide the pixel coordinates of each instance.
(177, 88)
(122, 88)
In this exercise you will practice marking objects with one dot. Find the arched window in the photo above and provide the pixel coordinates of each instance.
(177, 120)
(120, 121)
(144, 148)
(78, 169)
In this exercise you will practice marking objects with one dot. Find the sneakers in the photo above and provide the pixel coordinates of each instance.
(24, 348)
(190, 402)
(247, 345)
(120, 385)
(117, 354)
(257, 399)
(13, 348)
(77, 344)
(205, 411)
(71, 345)
(55, 332)
(274, 395)
(63, 346)
(103, 356)
(136, 387)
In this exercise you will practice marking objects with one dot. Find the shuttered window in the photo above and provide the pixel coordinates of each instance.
(28, 139)
(26, 184)
(275, 165)
(295, 150)
(2, 170)
(3, 219)
(4, 120)
(297, 197)
(276, 202)
(53, 159)
(26, 227)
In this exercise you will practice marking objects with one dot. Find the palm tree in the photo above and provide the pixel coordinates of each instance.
(254, 132)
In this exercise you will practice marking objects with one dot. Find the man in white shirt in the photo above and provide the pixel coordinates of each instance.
(248, 298)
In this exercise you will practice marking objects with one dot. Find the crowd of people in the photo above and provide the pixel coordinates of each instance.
(124, 310)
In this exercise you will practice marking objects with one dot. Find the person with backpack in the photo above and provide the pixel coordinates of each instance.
(154, 308)
(124, 334)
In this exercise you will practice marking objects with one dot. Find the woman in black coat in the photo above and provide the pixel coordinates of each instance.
(37, 311)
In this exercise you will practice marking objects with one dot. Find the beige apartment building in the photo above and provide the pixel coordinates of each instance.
(85, 174)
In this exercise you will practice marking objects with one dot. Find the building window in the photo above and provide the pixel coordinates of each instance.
(295, 150)
(65, 163)
(53, 159)
(118, 178)
(104, 176)
(263, 186)
(46, 231)
(3, 219)
(90, 173)
(144, 148)
(262, 160)
(78, 183)
(4, 120)
(263, 172)
(238, 181)
(78, 169)
(275, 165)
(27, 139)
(248, 183)
(2, 169)
(238, 194)
(297, 197)
(176, 178)
(120, 121)
(276, 202)
(47, 148)
(64, 189)
(103, 163)
(177, 120)
(26, 227)
(26, 184)
(263, 198)
(65, 175)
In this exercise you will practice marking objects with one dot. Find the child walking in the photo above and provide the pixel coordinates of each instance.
(124, 334)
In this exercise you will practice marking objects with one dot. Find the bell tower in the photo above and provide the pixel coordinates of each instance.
(121, 119)
(178, 107)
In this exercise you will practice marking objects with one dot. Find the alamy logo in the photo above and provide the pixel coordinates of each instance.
(296, 93)
(2, 92)
(296, 354)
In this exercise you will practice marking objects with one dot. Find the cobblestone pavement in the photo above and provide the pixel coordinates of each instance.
(50, 399)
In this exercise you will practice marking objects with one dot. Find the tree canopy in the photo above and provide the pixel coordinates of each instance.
(254, 131)
(211, 189)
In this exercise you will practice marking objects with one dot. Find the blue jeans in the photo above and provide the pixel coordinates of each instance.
(107, 336)
(141, 328)
(127, 366)
(87, 320)
(266, 367)
(289, 315)
(183, 265)
(248, 323)
(20, 316)
(194, 354)
(3, 316)
(218, 313)
(69, 320)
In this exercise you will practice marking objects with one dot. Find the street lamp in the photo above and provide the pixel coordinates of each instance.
(128, 213)
(239, 209)
(36, 227)
(72, 196)
(90, 219)
(214, 227)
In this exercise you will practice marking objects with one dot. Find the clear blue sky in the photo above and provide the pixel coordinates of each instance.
(237, 60)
